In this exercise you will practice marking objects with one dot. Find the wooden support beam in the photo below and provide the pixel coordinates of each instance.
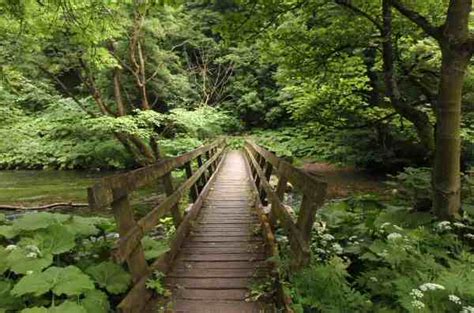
(193, 191)
(168, 185)
(125, 222)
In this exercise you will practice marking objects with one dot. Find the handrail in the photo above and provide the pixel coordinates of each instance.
(101, 194)
(263, 164)
(114, 191)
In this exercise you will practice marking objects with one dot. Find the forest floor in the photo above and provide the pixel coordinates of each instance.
(346, 181)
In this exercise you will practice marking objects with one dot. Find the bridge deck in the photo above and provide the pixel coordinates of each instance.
(224, 252)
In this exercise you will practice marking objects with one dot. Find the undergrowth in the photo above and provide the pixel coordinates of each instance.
(61, 263)
(373, 256)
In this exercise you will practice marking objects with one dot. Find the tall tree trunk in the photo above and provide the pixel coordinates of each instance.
(457, 46)
(446, 171)
(456, 53)
(419, 119)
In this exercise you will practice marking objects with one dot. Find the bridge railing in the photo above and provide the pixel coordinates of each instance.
(263, 164)
(114, 192)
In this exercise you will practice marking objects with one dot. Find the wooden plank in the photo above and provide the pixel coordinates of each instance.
(229, 245)
(209, 283)
(180, 264)
(199, 306)
(211, 294)
(222, 250)
(218, 273)
(251, 257)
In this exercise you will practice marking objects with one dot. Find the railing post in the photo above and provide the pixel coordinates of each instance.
(203, 178)
(268, 174)
(194, 192)
(125, 221)
(169, 189)
(210, 169)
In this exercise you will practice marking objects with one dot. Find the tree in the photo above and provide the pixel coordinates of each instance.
(457, 47)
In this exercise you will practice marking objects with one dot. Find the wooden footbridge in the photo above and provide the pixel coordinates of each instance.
(224, 240)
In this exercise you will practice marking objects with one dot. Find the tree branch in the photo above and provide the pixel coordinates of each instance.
(347, 4)
(418, 19)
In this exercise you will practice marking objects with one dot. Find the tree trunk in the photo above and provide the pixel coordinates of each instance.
(456, 48)
(446, 171)
(419, 119)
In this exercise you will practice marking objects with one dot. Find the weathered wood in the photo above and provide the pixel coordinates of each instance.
(222, 252)
(136, 261)
(126, 221)
(128, 242)
(203, 179)
(193, 190)
(133, 300)
(299, 247)
(307, 184)
(100, 195)
(168, 185)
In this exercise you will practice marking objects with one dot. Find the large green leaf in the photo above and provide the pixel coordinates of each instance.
(55, 239)
(32, 284)
(68, 307)
(110, 276)
(68, 280)
(154, 248)
(19, 261)
(35, 310)
(82, 226)
(96, 301)
(7, 300)
(8, 231)
(3, 260)
(34, 221)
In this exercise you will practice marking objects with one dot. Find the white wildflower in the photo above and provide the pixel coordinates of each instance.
(431, 286)
(455, 299)
(416, 293)
(320, 251)
(417, 304)
(394, 236)
(327, 237)
(397, 227)
(384, 225)
(11, 247)
(337, 248)
(351, 238)
(467, 309)
(29, 272)
(114, 235)
(444, 225)
(33, 248)
(459, 225)
(469, 236)
(95, 256)
(374, 279)
(32, 255)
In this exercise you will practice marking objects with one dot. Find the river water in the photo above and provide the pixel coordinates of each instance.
(35, 187)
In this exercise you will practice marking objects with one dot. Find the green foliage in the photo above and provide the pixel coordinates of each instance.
(368, 256)
(59, 254)
(110, 276)
(156, 283)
